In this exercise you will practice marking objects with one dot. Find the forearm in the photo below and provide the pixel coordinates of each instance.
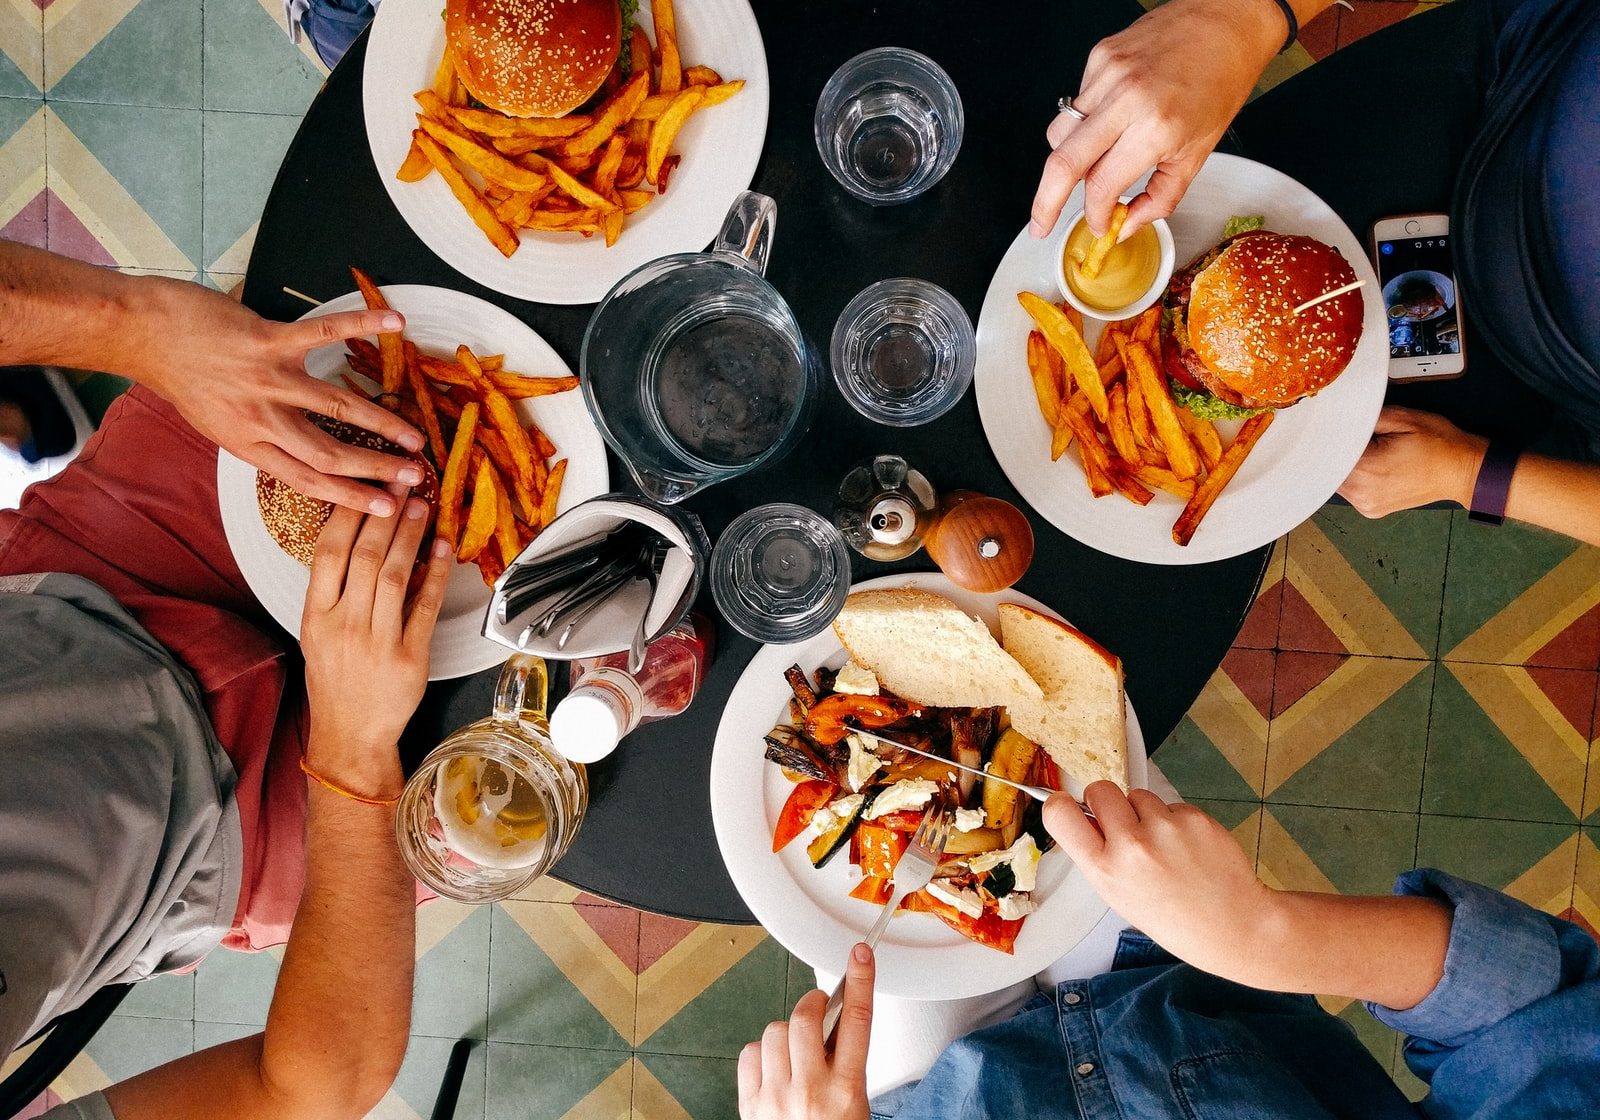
(340, 1016)
(341, 1012)
(55, 311)
(1385, 950)
(1557, 495)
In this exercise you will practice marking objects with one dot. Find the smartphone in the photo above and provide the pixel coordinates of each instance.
(1421, 301)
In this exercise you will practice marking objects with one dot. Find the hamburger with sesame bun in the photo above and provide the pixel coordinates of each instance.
(1231, 343)
(533, 58)
(295, 521)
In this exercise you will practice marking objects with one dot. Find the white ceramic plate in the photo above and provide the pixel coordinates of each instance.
(437, 320)
(809, 909)
(1292, 471)
(719, 145)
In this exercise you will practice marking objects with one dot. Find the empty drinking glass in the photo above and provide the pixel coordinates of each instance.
(903, 352)
(889, 125)
(780, 573)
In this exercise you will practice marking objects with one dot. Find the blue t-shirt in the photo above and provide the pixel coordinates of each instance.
(1572, 190)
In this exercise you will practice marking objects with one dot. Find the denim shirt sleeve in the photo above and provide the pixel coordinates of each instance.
(1503, 956)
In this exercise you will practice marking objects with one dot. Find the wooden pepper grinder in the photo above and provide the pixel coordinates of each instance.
(983, 544)
(887, 510)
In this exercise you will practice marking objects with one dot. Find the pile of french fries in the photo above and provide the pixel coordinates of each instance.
(498, 488)
(583, 174)
(1115, 404)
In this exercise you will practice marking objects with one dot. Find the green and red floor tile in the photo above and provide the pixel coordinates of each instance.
(1417, 690)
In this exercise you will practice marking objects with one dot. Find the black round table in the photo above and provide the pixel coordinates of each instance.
(648, 838)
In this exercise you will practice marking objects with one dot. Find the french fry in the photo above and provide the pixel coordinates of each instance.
(505, 529)
(494, 167)
(611, 226)
(635, 200)
(1205, 494)
(1059, 332)
(702, 76)
(434, 106)
(552, 494)
(578, 192)
(541, 443)
(496, 230)
(354, 386)
(482, 517)
(639, 52)
(515, 209)
(1144, 432)
(489, 564)
(415, 167)
(1205, 437)
(605, 173)
(1074, 316)
(717, 94)
(503, 416)
(1046, 388)
(497, 125)
(1060, 436)
(1095, 259)
(491, 363)
(430, 414)
(1110, 369)
(520, 387)
(1152, 385)
(616, 111)
(1106, 348)
(664, 176)
(563, 220)
(665, 130)
(1096, 462)
(1128, 485)
(1120, 427)
(1144, 327)
(452, 487)
(666, 25)
(444, 77)
(391, 353)
(1162, 479)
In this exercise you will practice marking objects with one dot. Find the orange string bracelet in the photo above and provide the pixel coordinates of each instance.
(340, 790)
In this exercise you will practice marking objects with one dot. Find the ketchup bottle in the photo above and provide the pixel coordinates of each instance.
(605, 702)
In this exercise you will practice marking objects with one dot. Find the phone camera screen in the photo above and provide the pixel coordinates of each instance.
(1419, 296)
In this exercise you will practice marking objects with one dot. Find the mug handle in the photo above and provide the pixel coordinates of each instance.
(523, 690)
(748, 229)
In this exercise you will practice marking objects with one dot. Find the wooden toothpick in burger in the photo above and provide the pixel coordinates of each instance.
(1326, 296)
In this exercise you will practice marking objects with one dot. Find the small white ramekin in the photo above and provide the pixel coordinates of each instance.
(1168, 261)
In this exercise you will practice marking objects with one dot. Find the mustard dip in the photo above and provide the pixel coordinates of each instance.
(1129, 270)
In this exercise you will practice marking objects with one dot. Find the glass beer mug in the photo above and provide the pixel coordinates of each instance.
(494, 806)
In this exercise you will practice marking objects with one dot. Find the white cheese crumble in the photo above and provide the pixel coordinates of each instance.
(967, 820)
(853, 680)
(1016, 905)
(966, 901)
(911, 793)
(830, 815)
(1023, 856)
(863, 763)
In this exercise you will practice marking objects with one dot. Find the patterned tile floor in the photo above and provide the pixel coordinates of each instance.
(1416, 690)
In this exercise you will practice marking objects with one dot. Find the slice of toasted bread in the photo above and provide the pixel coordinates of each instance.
(924, 648)
(1081, 719)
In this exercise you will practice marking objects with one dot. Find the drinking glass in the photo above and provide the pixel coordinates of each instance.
(889, 124)
(694, 367)
(780, 573)
(495, 805)
(903, 352)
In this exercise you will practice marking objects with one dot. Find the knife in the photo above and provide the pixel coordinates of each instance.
(1038, 793)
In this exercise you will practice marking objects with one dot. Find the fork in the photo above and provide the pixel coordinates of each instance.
(913, 872)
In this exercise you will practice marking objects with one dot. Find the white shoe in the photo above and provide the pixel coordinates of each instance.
(17, 475)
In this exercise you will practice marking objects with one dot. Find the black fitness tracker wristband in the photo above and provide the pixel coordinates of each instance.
(1493, 487)
(1294, 24)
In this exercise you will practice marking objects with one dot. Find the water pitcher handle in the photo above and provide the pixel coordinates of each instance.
(747, 231)
(523, 689)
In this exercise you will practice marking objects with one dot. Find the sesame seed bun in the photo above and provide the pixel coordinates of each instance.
(1252, 350)
(295, 521)
(533, 58)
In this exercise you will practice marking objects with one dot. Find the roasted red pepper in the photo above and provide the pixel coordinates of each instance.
(804, 801)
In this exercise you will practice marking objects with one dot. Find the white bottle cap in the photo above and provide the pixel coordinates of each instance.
(587, 725)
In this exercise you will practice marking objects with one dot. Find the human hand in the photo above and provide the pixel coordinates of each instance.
(789, 1074)
(366, 652)
(241, 381)
(1159, 94)
(1170, 870)
(1414, 458)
